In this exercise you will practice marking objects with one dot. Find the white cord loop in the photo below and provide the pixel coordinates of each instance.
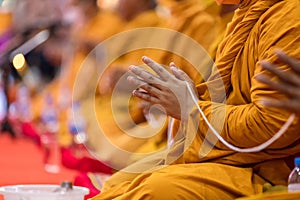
(234, 148)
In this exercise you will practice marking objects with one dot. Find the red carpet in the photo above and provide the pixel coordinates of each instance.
(21, 162)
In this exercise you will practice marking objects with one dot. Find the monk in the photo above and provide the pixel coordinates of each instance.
(136, 14)
(187, 17)
(97, 25)
(288, 83)
(207, 169)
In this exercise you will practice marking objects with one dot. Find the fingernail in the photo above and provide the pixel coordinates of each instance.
(172, 64)
(145, 58)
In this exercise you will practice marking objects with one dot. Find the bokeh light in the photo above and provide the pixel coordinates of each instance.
(19, 61)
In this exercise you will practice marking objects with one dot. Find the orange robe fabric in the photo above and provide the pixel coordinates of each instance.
(189, 18)
(258, 27)
(116, 133)
(5, 21)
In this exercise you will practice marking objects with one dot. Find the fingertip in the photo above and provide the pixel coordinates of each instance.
(281, 55)
(264, 63)
(258, 77)
(278, 51)
(145, 59)
(172, 64)
(135, 92)
(261, 78)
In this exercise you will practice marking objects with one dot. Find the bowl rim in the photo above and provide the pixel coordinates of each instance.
(3, 190)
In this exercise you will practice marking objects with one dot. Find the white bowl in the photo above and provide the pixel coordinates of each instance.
(42, 192)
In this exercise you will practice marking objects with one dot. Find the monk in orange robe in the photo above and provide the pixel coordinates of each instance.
(188, 17)
(220, 173)
(98, 25)
(137, 14)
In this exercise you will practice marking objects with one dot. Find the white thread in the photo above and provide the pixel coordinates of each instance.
(230, 146)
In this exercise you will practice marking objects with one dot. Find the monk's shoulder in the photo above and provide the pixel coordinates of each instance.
(278, 27)
(284, 14)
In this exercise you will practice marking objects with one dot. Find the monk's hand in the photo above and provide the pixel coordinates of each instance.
(288, 84)
(167, 89)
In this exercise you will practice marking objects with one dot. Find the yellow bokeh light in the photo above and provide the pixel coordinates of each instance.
(19, 61)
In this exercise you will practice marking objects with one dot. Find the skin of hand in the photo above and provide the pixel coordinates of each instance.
(166, 89)
(288, 83)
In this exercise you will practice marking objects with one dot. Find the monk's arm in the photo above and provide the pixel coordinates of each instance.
(251, 124)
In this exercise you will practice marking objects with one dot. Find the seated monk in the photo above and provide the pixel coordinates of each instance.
(201, 167)
(138, 14)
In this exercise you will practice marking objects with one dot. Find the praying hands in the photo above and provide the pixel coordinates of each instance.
(168, 90)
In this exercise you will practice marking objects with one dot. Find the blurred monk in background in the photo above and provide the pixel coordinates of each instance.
(136, 14)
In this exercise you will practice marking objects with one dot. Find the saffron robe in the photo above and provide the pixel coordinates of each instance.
(258, 27)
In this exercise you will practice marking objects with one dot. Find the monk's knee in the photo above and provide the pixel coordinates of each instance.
(165, 186)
